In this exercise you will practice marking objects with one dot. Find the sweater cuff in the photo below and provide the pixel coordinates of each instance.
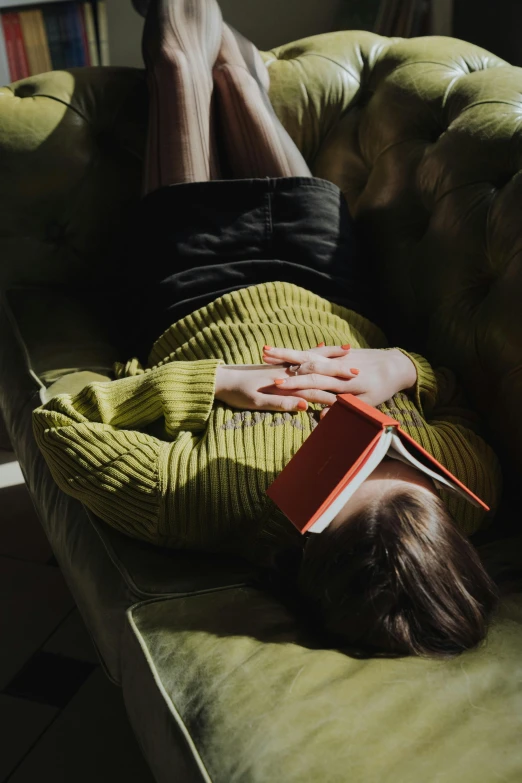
(187, 393)
(424, 392)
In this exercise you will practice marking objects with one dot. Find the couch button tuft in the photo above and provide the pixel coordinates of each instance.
(25, 90)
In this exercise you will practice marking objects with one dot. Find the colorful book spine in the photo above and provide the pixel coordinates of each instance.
(103, 32)
(44, 56)
(16, 47)
(52, 27)
(90, 29)
(13, 73)
(29, 38)
(65, 40)
(5, 75)
(85, 40)
(35, 40)
(74, 33)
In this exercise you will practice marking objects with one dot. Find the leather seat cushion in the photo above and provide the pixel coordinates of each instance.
(251, 697)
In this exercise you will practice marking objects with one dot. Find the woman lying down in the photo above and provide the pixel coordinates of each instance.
(262, 321)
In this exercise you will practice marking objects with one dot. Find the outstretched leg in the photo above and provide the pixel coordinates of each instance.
(181, 41)
(255, 141)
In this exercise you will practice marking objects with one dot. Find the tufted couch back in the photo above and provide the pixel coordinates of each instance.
(424, 137)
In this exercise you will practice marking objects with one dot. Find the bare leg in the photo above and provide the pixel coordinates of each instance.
(256, 143)
(181, 40)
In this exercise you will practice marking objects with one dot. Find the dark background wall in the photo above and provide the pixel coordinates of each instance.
(494, 24)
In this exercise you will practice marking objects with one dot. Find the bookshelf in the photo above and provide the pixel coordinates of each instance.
(26, 4)
(37, 36)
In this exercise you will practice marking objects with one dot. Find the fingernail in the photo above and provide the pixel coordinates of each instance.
(267, 347)
(279, 381)
(320, 345)
(346, 347)
(354, 370)
(302, 405)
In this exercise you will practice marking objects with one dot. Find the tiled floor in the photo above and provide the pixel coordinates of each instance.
(61, 719)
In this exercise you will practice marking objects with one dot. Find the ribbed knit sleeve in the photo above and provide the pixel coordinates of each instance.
(95, 453)
(425, 392)
(181, 392)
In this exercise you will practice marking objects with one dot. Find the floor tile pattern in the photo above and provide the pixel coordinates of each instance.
(61, 718)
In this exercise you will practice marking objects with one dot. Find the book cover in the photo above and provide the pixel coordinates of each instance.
(90, 29)
(21, 51)
(8, 60)
(338, 455)
(103, 32)
(44, 56)
(52, 28)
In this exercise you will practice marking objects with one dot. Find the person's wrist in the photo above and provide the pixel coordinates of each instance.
(223, 378)
(405, 369)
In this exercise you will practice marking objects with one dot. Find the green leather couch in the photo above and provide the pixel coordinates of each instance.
(220, 680)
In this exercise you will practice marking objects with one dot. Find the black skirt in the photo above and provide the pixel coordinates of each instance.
(191, 243)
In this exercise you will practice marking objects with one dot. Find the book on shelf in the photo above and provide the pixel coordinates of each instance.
(53, 36)
(341, 452)
(35, 40)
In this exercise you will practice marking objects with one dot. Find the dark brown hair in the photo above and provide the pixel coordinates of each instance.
(398, 578)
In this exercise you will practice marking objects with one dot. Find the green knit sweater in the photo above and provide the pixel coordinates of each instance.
(157, 457)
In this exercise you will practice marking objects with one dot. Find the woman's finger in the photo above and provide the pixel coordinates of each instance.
(274, 402)
(317, 381)
(298, 357)
(317, 395)
(331, 351)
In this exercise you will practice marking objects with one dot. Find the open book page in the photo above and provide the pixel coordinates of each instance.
(378, 454)
(397, 450)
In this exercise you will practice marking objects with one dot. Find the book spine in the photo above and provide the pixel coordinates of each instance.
(24, 69)
(85, 40)
(26, 25)
(8, 39)
(91, 34)
(103, 32)
(44, 54)
(53, 38)
(77, 30)
(75, 36)
(5, 75)
(65, 39)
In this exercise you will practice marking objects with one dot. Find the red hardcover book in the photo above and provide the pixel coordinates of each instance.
(342, 451)
(21, 51)
(10, 46)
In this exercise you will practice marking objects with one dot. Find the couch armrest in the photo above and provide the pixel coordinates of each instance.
(59, 335)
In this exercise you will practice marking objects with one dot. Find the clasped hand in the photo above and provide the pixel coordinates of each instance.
(373, 375)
